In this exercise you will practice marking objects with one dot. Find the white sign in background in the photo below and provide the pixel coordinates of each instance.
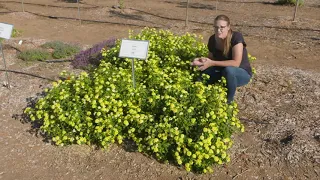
(134, 49)
(5, 30)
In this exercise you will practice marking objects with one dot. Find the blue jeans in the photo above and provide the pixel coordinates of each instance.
(235, 77)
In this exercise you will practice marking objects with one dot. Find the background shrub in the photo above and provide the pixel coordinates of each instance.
(34, 55)
(292, 2)
(60, 49)
(53, 45)
(92, 56)
(65, 51)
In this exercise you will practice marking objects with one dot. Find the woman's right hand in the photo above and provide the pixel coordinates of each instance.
(198, 61)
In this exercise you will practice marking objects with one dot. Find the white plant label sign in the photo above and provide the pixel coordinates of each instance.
(134, 49)
(5, 30)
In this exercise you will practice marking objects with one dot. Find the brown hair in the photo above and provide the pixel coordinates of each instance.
(227, 43)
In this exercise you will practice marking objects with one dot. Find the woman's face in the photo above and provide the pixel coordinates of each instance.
(221, 29)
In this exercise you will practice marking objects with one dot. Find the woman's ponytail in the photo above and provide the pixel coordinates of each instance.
(227, 43)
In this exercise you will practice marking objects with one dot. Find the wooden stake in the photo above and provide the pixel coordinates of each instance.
(216, 7)
(295, 11)
(22, 4)
(79, 11)
(186, 24)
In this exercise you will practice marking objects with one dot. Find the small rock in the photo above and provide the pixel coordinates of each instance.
(287, 139)
(6, 84)
(116, 7)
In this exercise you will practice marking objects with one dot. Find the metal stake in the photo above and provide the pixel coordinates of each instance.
(133, 79)
(5, 67)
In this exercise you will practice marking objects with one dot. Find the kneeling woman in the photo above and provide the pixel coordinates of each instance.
(227, 57)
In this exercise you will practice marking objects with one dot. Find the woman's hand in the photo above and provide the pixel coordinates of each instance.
(203, 63)
(199, 61)
(206, 64)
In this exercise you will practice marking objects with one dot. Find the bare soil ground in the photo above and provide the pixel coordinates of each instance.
(280, 107)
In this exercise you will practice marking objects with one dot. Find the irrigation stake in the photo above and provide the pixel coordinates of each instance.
(295, 10)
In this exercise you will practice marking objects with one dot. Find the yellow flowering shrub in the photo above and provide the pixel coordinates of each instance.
(169, 115)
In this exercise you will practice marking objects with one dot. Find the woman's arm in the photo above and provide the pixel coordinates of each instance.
(237, 52)
(210, 55)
